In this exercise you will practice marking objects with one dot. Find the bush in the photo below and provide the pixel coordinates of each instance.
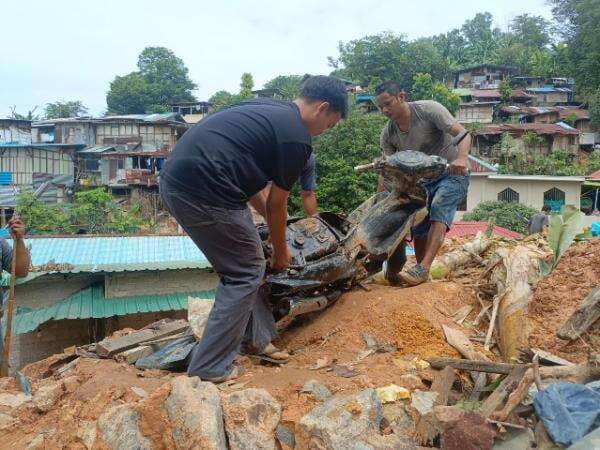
(507, 214)
(93, 211)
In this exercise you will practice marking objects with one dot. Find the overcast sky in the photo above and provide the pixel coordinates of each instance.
(71, 50)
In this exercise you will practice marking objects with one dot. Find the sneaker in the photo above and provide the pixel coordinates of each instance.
(415, 275)
(235, 372)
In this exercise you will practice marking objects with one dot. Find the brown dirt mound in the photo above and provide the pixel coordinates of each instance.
(558, 295)
(408, 318)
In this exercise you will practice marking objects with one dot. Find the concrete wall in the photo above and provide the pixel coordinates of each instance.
(128, 284)
(531, 192)
(50, 289)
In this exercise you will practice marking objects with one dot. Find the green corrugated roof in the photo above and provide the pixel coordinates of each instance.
(90, 303)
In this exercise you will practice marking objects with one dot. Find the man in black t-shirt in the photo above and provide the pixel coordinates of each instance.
(219, 165)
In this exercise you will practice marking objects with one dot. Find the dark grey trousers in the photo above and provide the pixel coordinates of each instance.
(241, 314)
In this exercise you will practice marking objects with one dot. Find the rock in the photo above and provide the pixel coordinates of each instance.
(470, 432)
(515, 439)
(317, 389)
(13, 400)
(398, 418)
(194, 408)
(341, 422)
(139, 392)
(71, 383)
(423, 401)
(198, 310)
(404, 366)
(251, 417)
(87, 432)
(285, 437)
(46, 396)
(590, 440)
(119, 429)
(6, 421)
(37, 443)
(447, 414)
(392, 393)
(411, 382)
(421, 364)
(376, 441)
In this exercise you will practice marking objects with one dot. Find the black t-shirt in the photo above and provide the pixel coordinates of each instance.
(229, 156)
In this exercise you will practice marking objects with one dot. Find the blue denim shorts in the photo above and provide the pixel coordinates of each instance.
(444, 194)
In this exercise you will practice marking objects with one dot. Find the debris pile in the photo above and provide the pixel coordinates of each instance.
(445, 364)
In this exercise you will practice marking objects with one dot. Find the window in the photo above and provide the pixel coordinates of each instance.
(508, 195)
(554, 198)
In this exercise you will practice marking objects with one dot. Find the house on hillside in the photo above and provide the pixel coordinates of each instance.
(532, 190)
(550, 95)
(482, 76)
(192, 112)
(529, 114)
(476, 112)
(538, 138)
(85, 288)
(47, 169)
(588, 135)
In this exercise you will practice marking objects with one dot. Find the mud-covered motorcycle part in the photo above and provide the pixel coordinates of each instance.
(298, 306)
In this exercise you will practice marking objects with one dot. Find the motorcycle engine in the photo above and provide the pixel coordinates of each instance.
(310, 239)
(415, 163)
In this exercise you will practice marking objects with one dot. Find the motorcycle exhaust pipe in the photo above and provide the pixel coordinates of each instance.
(304, 305)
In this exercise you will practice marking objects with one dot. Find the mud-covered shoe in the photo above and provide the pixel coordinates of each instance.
(415, 275)
(235, 372)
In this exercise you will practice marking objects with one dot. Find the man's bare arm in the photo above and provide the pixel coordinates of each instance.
(277, 221)
(259, 201)
(309, 203)
(460, 165)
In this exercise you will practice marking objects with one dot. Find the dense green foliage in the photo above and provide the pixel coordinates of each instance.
(557, 163)
(161, 79)
(62, 109)
(506, 214)
(93, 211)
(352, 142)
(288, 85)
(424, 88)
(224, 98)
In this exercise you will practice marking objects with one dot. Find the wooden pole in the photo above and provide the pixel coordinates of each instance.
(10, 307)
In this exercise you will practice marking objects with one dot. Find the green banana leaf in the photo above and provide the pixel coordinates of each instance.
(562, 229)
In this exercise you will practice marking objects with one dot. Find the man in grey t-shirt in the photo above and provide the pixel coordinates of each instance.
(424, 126)
(538, 222)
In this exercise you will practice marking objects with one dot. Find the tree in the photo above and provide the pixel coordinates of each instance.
(505, 214)
(531, 31)
(505, 91)
(288, 85)
(423, 88)
(161, 79)
(594, 104)
(481, 39)
(221, 99)
(353, 141)
(246, 86)
(29, 116)
(579, 22)
(60, 109)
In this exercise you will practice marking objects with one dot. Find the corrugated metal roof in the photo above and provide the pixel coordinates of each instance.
(97, 149)
(159, 117)
(8, 195)
(117, 254)
(91, 303)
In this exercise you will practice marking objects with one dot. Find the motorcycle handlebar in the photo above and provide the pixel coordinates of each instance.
(364, 167)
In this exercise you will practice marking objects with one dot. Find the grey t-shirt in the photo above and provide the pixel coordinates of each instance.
(427, 133)
(5, 261)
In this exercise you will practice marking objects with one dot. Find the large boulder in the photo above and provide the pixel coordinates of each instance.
(194, 409)
(198, 310)
(251, 417)
(119, 429)
(342, 422)
(13, 400)
(46, 396)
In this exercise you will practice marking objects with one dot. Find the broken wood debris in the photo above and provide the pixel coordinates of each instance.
(112, 346)
(474, 366)
(583, 317)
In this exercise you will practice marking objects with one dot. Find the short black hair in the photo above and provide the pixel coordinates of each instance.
(327, 89)
(391, 87)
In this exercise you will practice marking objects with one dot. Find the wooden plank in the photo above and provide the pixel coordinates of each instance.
(473, 366)
(110, 347)
(133, 354)
(442, 384)
(501, 393)
(584, 317)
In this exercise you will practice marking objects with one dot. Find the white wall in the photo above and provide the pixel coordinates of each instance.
(531, 192)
